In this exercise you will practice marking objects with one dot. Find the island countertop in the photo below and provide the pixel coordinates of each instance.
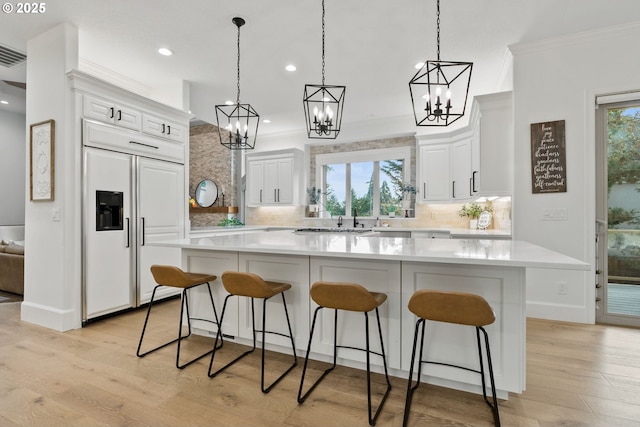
(507, 253)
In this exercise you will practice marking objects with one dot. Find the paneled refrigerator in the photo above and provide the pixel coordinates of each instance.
(129, 201)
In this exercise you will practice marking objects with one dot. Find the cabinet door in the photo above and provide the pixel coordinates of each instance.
(109, 252)
(255, 182)
(284, 189)
(270, 194)
(435, 172)
(107, 111)
(158, 126)
(461, 186)
(161, 207)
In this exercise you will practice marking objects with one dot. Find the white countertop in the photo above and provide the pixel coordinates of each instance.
(507, 253)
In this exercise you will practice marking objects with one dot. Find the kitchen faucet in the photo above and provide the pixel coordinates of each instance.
(340, 221)
(355, 218)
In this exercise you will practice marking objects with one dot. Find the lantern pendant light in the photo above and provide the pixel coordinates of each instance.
(323, 104)
(439, 90)
(237, 123)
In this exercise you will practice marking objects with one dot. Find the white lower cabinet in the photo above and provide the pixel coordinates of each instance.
(210, 262)
(277, 268)
(504, 290)
(377, 276)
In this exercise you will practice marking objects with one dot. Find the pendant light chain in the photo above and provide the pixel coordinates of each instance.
(322, 42)
(238, 67)
(438, 28)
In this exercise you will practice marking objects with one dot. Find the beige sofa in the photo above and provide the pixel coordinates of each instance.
(12, 259)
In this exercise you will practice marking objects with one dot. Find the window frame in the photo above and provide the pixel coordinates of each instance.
(360, 156)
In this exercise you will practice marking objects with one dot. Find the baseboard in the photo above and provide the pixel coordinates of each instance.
(559, 312)
(50, 317)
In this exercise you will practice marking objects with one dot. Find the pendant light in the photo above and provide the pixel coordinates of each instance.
(439, 89)
(237, 123)
(323, 104)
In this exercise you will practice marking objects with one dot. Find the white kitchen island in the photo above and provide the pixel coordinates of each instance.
(494, 269)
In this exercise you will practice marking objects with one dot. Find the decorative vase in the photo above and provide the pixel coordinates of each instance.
(473, 224)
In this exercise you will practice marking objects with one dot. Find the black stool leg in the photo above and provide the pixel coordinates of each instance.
(295, 358)
(180, 337)
(219, 336)
(372, 420)
(494, 405)
(144, 328)
(301, 397)
(410, 388)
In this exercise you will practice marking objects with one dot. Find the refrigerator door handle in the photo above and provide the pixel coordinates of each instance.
(128, 238)
(142, 230)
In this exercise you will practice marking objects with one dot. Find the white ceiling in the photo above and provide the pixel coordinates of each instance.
(371, 45)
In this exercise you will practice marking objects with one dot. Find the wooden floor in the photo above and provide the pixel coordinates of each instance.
(577, 375)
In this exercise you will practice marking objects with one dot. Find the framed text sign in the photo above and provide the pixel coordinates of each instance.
(41, 160)
(548, 158)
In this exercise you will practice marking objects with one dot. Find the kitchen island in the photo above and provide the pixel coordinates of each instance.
(494, 269)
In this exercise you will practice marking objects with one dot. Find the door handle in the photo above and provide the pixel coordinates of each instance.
(142, 222)
(128, 242)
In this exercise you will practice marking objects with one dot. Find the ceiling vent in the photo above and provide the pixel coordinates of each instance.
(10, 57)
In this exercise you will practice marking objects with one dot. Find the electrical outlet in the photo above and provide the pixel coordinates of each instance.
(562, 288)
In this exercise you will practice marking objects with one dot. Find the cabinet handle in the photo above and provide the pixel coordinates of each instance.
(112, 112)
(278, 194)
(260, 196)
(163, 128)
(128, 242)
(168, 129)
(473, 178)
(453, 189)
(119, 115)
(275, 195)
(144, 145)
(471, 186)
(142, 221)
(424, 189)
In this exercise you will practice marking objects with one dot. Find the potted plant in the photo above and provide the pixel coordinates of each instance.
(473, 211)
(315, 194)
(408, 191)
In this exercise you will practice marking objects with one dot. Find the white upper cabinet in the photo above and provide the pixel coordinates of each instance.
(274, 178)
(111, 112)
(163, 127)
(473, 161)
(496, 147)
(435, 172)
(446, 167)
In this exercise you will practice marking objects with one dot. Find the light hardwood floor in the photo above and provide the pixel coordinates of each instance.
(577, 375)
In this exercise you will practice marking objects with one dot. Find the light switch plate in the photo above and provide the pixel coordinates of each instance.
(554, 214)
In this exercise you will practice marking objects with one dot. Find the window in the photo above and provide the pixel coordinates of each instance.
(368, 181)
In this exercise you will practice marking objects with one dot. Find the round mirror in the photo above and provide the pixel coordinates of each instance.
(206, 193)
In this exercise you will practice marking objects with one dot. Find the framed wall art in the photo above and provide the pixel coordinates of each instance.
(548, 158)
(41, 159)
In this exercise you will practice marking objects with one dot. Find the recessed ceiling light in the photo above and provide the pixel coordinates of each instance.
(229, 102)
(419, 65)
(266, 121)
(165, 51)
(290, 67)
(4, 102)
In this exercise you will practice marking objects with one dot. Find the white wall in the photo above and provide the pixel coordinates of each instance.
(12, 168)
(558, 80)
(52, 293)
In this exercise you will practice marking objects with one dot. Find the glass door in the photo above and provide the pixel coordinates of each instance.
(618, 214)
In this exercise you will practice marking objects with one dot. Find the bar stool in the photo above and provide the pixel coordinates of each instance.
(253, 286)
(458, 308)
(167, 275)
(350, 297)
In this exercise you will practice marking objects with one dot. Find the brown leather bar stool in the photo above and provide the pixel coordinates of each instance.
(452, 307)
(350, 297)
(167, 275)
(253, 286)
